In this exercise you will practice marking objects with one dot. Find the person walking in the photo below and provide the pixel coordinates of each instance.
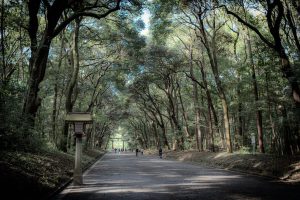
(160, 152)
(136, 152)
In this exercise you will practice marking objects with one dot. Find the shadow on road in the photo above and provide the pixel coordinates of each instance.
(125, 176)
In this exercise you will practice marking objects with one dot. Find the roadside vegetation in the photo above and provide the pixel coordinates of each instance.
(39, 175)
(186, 75)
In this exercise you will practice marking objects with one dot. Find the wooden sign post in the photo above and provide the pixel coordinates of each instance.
(79, 120)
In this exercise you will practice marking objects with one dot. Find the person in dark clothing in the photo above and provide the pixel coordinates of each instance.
(136, 152)
(160, 152)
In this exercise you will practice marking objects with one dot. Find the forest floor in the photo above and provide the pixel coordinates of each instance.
(284, 168)
(38, 175)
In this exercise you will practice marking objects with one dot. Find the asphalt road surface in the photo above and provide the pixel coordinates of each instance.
(127, 177)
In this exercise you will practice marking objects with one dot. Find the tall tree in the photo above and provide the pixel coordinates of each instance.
(209, 42)
(55, 23)
(275, 15)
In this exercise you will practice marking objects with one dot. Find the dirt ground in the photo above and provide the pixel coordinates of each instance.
(38, 175)
(284, 168)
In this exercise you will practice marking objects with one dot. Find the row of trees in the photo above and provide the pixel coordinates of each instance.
(217, 73)
(64, 56)
(211, 74)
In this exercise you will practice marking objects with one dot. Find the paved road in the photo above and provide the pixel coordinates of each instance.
(127, 177)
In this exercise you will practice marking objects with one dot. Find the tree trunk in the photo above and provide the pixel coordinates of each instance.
(157, 140)
(161, 124)
(70, 99)
(2, 28)
(144, 134)
(256, 97)
(198, 133)
(54, 110)
(221, 92)
(210, 106)
(240, 117)
(213, 62)
(164, 132)
(107, 140)
(210, 129)
(39, 53)
(240, 130)
(226, 123)
(159, 120)
(173, 112)
(185, 117)
(286, 130)
(210, 46)
(37, 73)
(240, 106)
(272, 124)
(3, 119)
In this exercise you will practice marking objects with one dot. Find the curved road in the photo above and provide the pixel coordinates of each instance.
(127, 177)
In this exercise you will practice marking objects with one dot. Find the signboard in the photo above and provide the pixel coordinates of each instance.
(83, 117)
(79, 119)
(253, 140)
(78, 126)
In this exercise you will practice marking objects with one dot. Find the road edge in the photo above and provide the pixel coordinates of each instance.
(70, 181)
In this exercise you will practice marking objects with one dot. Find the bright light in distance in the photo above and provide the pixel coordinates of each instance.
(146, 19)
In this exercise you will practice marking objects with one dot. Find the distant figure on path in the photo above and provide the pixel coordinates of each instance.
(142, 151)
(136, 152)
(160, 152)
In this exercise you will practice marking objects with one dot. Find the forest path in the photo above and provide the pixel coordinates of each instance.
(127, 177)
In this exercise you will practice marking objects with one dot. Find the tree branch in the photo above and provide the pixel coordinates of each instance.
(293, 28)
(195, 80)
(265, 40)
(61, 26)
(33, 8)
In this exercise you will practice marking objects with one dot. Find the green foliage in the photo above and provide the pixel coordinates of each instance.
(16, 132)
(148, 88)
(162, 20)
(244, 150)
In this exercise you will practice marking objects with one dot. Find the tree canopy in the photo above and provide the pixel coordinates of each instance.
(208, 75)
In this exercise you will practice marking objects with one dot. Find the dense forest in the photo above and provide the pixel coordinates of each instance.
(178, 74)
